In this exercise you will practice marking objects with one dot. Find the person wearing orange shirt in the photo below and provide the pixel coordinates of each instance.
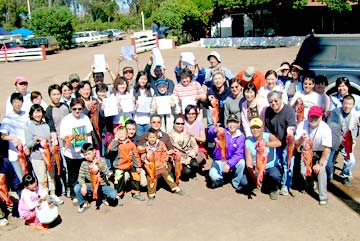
(251, 75)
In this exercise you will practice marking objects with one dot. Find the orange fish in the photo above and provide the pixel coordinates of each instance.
(347, 143)
(95, 178)
(57, 158)
(94, 117)
(68, 140)
(307, 156)
(214, 111)
(299, 109)
(4, 193)
(290, 141)
(46, 153)
(261, 160)
(22, 159)
(178, 165)
(221, 143)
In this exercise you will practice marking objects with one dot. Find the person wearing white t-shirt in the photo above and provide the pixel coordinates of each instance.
(75, 130)
(308, 96)
(316, 130)
(13, 130)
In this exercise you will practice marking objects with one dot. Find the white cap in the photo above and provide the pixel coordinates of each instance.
(216, 55)
(249, 73)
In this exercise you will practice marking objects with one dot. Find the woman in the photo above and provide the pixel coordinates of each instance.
(280, 121)
(196, 129)
(252, 107)
(284, 69)
(295, 84)
(344, 88)
(271, 84)
(93, 110)
(66, 93)
(186, 146)
(321, 82)
(142, 88)
(188, 91)
(232, 102)
(75, 130)
(37, 133)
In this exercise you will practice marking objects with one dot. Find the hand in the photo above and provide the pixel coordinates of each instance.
(304, 137)
(150, 60)
(83, 190)
(16, 141)
(170, 152)
(27, 151)
(290, 130)
(92, 68)
(211, 97)
(120, 58)
(138, 170)
(54, 142)
(107, 68)
(317, 168)
(226, 168)
(135, 57)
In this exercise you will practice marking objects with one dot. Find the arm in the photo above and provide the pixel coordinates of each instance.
(113, 146)
(194, 148)
(248, 158)
(273, 141)
(82, 173)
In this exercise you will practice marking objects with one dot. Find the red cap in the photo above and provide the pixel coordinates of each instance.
(315, 111)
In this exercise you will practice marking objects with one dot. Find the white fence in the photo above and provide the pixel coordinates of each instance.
(144, 41)
(23, 54)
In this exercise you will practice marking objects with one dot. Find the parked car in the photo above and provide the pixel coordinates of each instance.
(107, 36)
(86, 39)
(117, 33)
(50, 42)
(9, 45)
(332, 55)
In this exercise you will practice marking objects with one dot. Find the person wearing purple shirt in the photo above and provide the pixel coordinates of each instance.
(235, 154)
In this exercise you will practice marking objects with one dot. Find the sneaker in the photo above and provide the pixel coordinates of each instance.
(57, 200)
(274, 195)
(323, 202)
(180, 192)
(284, 191)
(75, 202)
(106, 203)
(346, 181)
(120, 203)
(216, 184)
(138, 196)
(4, 222)
(84, 207)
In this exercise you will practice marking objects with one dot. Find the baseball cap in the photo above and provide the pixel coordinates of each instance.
(256, 122)
(74, 76)
(232, 117)
(161, 82)
(128, 68)
(249, 73)
(315, 111)
(214, 54)
(20, 79)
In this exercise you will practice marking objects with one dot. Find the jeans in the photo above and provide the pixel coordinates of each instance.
(272, 178)
(141, 129)
(216, 172)
(330, 164)
(286, 179)
(107, 190)
(348, 164)
(19, 172)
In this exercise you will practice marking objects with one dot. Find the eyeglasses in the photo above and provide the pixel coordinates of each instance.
(179, 123)
(275, 101)
(128, 72)
(76, 109)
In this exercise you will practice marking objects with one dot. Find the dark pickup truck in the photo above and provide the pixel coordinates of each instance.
(332, 55)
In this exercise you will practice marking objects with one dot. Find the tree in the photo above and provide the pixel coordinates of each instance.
(105, 10)
(56, 21)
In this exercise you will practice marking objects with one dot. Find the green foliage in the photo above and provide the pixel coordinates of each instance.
(338, 5)
(56, 21)
(104, 10)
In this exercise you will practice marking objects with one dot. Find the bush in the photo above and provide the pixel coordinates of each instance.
(56, 21)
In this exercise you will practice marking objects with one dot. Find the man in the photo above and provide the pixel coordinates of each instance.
(159, 72)
(99, 77)
(269, 177)
(214, 59)
(235, 154)
(280, 121)
(13, 130)
(316, 131)
(251, 75)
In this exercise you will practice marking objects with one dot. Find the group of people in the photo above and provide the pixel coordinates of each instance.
(261, 131)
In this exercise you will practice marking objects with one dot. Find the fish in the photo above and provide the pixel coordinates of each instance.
(46, 153)
(221, 143)
(4, 193)
(261, 161)
(347, 143)
(307, 156)
(299, 109)
(215, 111)
(94, 117)
(68, 140)
(94, 178)
(178, 165)
(22, 158)
(290, 141)
(57, 158)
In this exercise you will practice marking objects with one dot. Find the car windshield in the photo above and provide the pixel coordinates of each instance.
(10, 45)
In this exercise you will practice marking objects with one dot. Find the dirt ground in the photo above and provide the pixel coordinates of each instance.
(202, 214)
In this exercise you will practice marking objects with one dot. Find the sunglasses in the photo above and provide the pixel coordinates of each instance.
(76, 109)
(179, 123)
(275, 101)
(74, 81)
(24, 83)
(128, 72)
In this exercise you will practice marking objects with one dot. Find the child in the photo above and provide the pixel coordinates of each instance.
(29, 202)
(347, 117)
(127, 161)
(36, 98)
(156, 153)
(167, 119)
(91, 170)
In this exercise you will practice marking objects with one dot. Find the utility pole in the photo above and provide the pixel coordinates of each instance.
(28, 7)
